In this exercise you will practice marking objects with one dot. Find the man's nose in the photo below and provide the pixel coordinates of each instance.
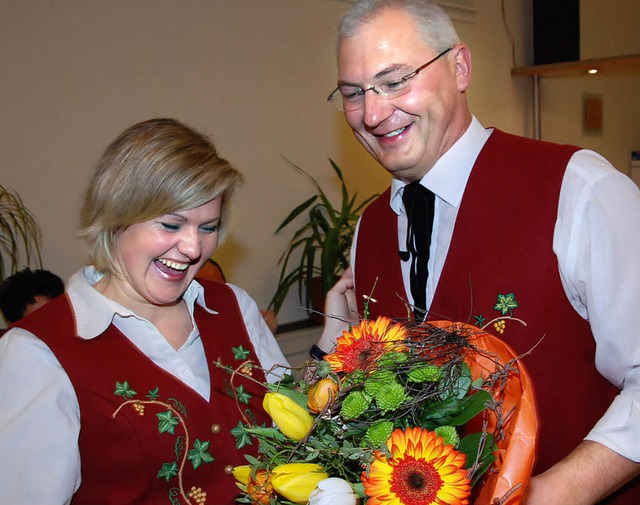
(375, 108)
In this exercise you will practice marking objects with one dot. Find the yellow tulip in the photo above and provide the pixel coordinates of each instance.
(296, 481)
(292, 419)
(241, 473)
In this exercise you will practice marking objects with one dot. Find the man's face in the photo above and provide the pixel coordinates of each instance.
(408, 134)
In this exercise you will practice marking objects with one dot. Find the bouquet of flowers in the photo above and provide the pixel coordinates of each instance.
(430, 413)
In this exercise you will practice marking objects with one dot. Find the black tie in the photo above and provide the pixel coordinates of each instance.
(418, 204)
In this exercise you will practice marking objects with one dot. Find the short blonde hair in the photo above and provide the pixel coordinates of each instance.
(153, 168)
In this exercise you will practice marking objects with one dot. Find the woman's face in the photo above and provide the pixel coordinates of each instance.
(160, 257)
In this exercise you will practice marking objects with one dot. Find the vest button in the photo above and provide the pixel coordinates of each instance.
(215, 428)
(228, 469)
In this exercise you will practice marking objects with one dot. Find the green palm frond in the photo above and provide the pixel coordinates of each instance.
(323, 241)
(20, 236)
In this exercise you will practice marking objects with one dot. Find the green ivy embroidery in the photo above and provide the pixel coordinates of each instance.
(123, 389)
(199, 454)
(167, 422)
(505, 306)
(168, 471)
(240, 353)
(506, 303)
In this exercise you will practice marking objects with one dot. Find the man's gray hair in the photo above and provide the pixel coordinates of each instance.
(432, 21)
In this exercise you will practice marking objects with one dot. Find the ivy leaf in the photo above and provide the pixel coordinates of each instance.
(506, 303)
(240, 353)
(123, 389)
(242, 395)
(153, 394)
(242, 437)
(199, 454)
(168, 471)
(167, 422)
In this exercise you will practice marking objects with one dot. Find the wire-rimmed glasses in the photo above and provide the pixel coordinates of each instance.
(347, 98)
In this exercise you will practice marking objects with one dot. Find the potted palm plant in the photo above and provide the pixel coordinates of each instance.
(323, 241)
(20, 235)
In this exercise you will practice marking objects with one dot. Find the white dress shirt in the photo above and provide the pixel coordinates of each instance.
(40, 417)
(597, 243)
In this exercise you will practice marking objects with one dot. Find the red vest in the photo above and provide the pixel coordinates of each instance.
(144, 452)
(501, 262)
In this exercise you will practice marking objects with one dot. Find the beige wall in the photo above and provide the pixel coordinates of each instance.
(606, 29)
(252, 73)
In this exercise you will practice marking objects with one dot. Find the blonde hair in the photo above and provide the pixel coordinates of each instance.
(153, 168)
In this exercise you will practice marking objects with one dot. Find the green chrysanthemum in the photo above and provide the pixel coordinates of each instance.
(373, 384)
(390, 396)
(426, 373)
(379, 433)
(355, 404)
(449, 434)
(392, 359)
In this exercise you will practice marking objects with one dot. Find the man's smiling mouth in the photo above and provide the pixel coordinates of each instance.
(394, 133)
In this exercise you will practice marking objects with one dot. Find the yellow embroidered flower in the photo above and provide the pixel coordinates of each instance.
(421, 470)
(360, 348)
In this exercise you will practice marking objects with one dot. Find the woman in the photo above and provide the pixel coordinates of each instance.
(111, 393)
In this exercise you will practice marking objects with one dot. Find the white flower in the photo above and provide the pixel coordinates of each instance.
(333, 491)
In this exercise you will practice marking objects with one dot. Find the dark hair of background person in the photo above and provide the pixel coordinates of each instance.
(20, 289)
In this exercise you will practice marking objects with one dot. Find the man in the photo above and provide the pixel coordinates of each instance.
(543, 233)
(25, 291)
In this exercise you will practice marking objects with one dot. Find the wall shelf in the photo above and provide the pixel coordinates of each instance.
(617, 65)
(613, 66)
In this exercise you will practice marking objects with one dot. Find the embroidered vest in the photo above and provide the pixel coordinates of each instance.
(501, 263)
(145, 437)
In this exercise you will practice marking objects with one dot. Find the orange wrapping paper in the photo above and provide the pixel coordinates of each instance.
(516, 452)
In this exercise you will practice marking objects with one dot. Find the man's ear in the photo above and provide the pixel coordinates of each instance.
(462, 58)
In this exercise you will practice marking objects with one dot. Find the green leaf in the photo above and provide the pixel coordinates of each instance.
(243, 438)
(199, 454)
(168, 422)
(123, 389)
(472, 406)
(470, 445)
(168, 471)
(462, 384)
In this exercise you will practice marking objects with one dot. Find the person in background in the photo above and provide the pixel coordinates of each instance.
(478, 223)
(212, 270)
(111, 394)
(28, 290)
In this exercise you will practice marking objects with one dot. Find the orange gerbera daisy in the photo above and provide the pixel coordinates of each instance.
(361, 347)
(422, 470)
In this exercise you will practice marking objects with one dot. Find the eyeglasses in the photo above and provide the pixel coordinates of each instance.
(347, 98)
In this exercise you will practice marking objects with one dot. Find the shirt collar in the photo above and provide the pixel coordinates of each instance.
(448, 177)
(94, 312)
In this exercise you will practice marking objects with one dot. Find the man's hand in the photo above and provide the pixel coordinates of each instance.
(341, 309)
(590, 473)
